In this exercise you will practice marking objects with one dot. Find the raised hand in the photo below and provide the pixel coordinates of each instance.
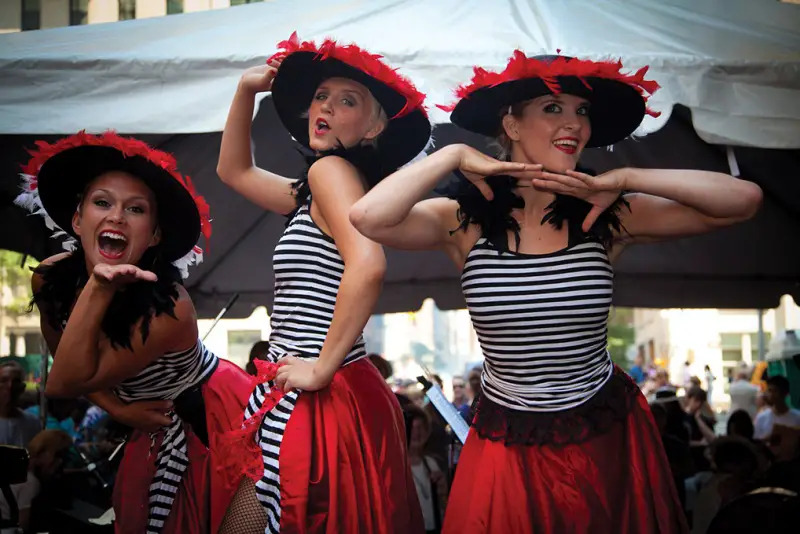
(476, 166)
(599, 191)
(259, 79)
(117, 276)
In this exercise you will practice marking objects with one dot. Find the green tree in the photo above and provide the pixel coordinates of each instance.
(15, 282)
(620, 335)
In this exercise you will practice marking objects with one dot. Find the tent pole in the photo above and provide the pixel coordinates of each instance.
(761, 342)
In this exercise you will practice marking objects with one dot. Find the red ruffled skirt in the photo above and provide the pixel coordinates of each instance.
(618, 481)
(343, 460)
(204, 494)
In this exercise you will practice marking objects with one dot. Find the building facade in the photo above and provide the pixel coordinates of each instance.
(24, 15)
(721, 339)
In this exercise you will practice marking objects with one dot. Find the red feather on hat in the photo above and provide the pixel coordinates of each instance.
(521, 67)
(360, 59)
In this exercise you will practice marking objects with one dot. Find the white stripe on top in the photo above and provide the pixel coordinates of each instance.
(541, 321)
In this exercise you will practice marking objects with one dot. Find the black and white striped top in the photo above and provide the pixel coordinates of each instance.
(166, 378)
(541, 322)
(308, 270)
(170, 375)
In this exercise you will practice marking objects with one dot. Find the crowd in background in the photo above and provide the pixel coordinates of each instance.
(716, 456)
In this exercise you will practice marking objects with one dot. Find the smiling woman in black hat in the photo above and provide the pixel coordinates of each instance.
(562, 440)
(122, 327)
(329, 428)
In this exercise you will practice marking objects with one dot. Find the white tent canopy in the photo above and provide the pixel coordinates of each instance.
(734, 63)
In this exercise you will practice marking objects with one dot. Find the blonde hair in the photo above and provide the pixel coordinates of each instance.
(502, 143)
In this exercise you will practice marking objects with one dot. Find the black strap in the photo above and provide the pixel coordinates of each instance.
(191, 408)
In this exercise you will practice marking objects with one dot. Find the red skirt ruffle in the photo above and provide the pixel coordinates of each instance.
(615, 482)
(203, 497)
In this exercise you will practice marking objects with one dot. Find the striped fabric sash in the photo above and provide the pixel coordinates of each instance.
(171, 463)
(166, 378)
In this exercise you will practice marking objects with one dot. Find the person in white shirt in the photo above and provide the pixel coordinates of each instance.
(779, 412)
(710, 378)
(744, 394)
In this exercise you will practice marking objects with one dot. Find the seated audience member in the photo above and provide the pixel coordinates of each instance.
(736, 468)
(384, 366)
(429, 478)
(636, 371)
(17, 427)
(47, 450)
(676, 447)
(740, 424)
(778, 411)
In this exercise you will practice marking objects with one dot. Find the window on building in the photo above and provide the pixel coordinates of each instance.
(731, 346)
(127, 9)
(78, 12)
(242, 2)
(239, 344)
(174, 7)
(31, 15)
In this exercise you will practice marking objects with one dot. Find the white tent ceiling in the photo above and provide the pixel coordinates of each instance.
(735, 64)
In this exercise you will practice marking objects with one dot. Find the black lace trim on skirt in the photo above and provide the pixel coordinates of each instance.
(595, 417)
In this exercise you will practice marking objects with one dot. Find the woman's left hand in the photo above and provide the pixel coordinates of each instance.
(296, 373)
(600, 191)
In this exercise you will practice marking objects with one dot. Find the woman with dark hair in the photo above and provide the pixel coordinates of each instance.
(258, 351)
(534, 242)
(328, 428)
(123, 329)
(429, 477)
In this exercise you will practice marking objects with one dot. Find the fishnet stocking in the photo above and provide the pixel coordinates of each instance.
(245, 514)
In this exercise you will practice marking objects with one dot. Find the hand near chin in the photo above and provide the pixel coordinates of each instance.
(476, 166)
(600, 191)
(117, 276)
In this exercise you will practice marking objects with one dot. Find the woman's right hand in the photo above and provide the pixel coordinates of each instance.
(147, 416)
(476, 166)
(259, 79)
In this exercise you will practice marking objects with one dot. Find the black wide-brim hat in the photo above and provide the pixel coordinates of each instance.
(61, 173)
(304, 66)
(618, 101)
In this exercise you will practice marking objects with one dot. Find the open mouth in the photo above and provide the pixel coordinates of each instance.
(321, 127)
(112, 245)
(566, 144)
